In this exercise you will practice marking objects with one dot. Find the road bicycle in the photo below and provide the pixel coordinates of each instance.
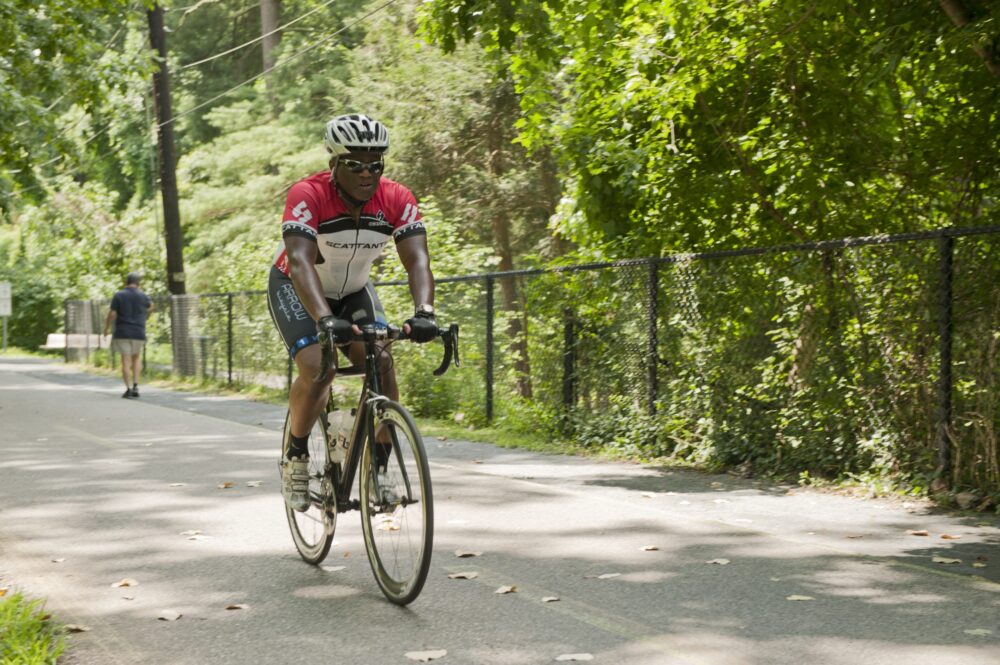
(379, 443)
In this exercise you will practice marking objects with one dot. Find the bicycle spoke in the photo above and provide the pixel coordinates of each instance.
(312, 530)
(396, 508)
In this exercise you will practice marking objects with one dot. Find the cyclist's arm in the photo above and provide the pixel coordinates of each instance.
(417, 261)
(302, 253)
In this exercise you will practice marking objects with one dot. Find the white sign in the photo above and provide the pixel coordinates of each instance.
(4, 298)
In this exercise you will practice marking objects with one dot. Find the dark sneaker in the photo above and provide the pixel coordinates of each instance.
(295, 482)
(128, 393)
(135, 390)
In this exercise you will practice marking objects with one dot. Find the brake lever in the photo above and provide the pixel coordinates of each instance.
(450, 339)
(327, 359)
(453, 333)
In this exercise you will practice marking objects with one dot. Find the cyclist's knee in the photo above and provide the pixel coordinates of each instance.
(309, 360)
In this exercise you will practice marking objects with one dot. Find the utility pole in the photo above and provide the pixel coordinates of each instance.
(185, 361)
(173, 236)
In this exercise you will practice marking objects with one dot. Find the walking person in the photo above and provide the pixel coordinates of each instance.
(128, 312)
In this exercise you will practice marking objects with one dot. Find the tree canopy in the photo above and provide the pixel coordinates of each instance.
(694, 124)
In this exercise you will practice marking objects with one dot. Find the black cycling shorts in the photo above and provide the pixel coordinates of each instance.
(297, 328)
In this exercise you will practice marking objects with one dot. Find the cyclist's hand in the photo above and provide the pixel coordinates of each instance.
(421, 328)
(330, 327)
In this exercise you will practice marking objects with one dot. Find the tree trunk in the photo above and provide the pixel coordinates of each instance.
(959, 15)
(517, 323)
(270, 19)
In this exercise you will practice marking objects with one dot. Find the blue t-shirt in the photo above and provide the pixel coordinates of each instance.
(132, 306)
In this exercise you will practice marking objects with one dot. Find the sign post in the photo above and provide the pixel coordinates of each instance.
(4, 309)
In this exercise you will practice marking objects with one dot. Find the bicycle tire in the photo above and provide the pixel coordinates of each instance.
(399, 530)
(312, 530)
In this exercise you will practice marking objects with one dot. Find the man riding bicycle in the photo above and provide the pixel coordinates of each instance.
(336, 223)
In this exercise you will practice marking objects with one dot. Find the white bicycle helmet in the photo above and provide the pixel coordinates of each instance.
(355, 133)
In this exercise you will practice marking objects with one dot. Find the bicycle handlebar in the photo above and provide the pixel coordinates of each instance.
(370, 334)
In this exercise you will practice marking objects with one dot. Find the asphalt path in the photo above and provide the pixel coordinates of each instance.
(95, 489)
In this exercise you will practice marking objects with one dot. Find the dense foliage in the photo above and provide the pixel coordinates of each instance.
(690, 124)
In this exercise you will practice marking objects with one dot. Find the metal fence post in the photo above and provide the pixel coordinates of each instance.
(489, 350)
(652, 293)
(946, 255)
(569, 361)
(229, 338)
(66, 330)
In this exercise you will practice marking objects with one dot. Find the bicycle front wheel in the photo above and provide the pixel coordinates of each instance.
(312, 530)
(397, 512)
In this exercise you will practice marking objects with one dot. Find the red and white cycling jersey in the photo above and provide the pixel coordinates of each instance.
(347, 248)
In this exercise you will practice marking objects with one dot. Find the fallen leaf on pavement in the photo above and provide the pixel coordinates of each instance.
(124, 582)
(225, 485)
(80, 628)
(193, 532)
(795, 597)
(721, 562)
(978, 631)
(921, 532)
(575, 656)
(608, 576)
(3, 591)
(775, 579)
(60, 560)
(550, 599)
(507, 589)
(476, 461)
(944, 559)
(948, 536)
(254, 483)
(333, 569)
(855, 535)
(647, 495)
(237, 606)
(649, 548)
(177, 484)
(169, 615)
(470, 575)
(464, 554)
(128, 597)
(425, 656)
(198, 536)
(978, 564)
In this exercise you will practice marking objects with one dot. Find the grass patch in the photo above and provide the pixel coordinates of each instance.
(432, 428)
(27, 635)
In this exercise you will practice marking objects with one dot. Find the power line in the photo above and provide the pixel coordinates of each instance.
(279, 64)
(255, 40)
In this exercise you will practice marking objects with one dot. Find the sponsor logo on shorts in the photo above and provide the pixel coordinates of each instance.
(290, 305)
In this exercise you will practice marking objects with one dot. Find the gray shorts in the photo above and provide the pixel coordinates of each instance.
(127, 347)
(297, 328)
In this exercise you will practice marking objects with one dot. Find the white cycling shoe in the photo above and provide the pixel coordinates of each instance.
(295, 482)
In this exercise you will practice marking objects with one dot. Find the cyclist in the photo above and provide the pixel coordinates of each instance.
(336, 223)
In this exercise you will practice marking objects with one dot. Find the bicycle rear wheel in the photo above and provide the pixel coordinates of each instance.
(312, 530)
(397, 512)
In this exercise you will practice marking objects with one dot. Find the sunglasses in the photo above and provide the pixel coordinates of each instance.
(355, 166)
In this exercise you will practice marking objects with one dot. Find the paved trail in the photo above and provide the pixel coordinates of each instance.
(94, 489)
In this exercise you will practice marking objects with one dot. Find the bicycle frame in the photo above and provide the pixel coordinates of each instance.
(371, 392)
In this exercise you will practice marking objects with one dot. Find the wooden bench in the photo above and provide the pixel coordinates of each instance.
(61, 342)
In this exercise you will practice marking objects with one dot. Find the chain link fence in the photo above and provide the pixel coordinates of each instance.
(853, 356)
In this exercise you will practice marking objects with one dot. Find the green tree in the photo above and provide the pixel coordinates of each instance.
(686, 125)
